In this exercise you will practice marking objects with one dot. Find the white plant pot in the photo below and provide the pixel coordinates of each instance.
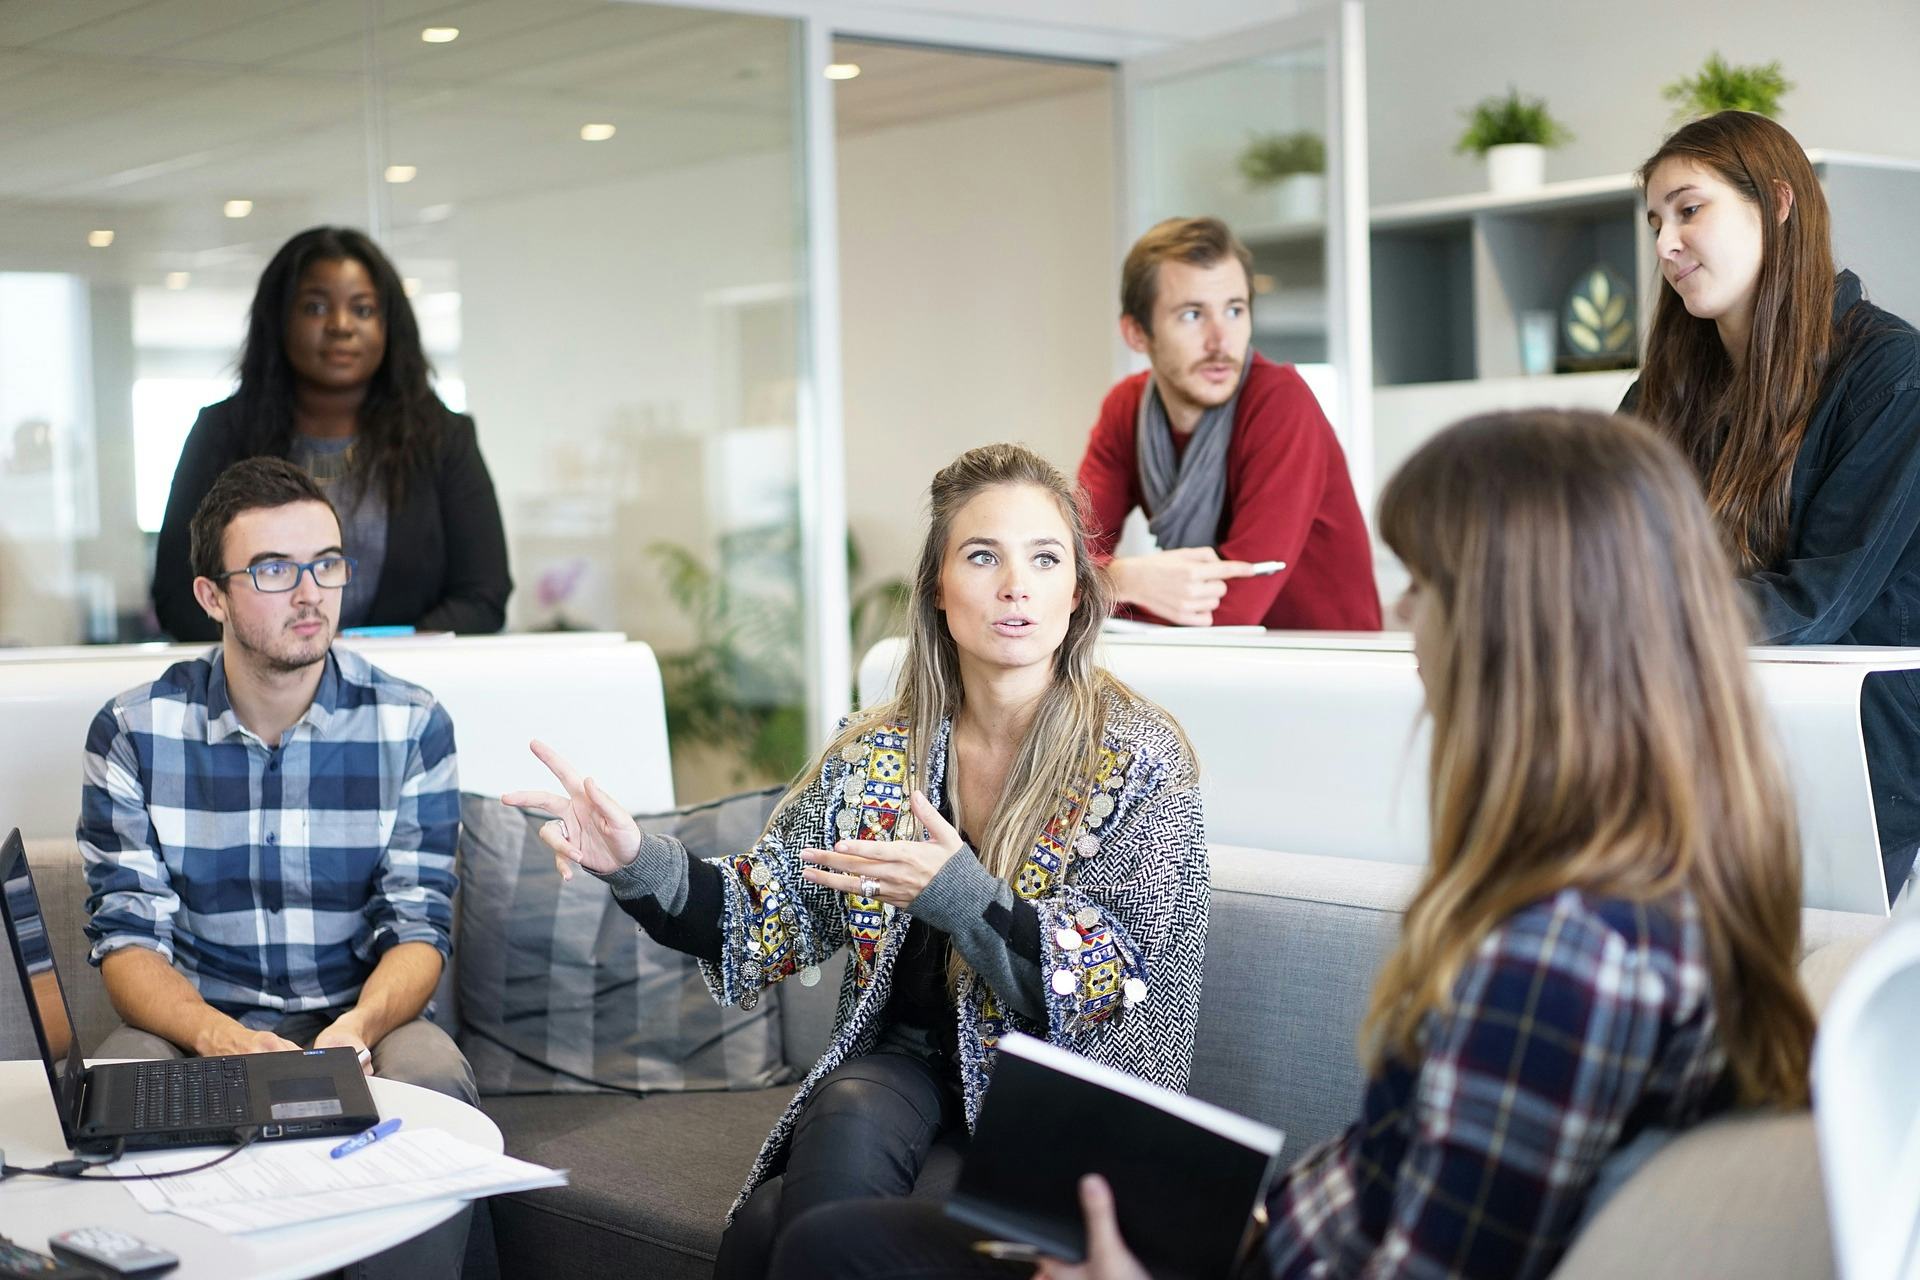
(1300, 197)
(1515, 166)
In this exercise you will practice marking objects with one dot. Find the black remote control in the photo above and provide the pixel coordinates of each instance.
(113, 1252)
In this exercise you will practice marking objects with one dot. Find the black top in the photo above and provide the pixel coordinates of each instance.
(446, 560)
(1851, 570)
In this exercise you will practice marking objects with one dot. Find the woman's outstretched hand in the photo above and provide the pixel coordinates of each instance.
(589, 826)
(896, 869)
(1108, 1257)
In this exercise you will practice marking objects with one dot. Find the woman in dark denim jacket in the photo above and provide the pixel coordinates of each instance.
(1798, 403)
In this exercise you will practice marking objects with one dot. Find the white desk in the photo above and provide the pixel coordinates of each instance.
(32, 1209)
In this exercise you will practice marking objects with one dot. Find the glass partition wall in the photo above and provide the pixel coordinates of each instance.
(600, 212)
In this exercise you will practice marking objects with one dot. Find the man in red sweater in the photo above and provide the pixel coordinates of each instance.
(1227, 453)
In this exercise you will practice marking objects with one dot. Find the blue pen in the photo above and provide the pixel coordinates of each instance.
(375, 632)
(366, 1138)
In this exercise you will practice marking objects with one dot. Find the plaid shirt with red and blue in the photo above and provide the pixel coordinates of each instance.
(1579, 1022)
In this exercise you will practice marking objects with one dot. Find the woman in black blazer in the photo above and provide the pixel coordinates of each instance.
(333, 377)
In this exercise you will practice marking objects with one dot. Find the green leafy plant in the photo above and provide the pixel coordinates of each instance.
(1269, 157)
(1499, 121)
(741, 686)
(1721, 86)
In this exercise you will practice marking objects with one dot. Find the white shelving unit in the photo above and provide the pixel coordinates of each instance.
(1452, 276)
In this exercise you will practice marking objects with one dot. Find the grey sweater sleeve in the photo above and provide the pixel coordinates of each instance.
(676, 898)
(997, 933)
(658, 871)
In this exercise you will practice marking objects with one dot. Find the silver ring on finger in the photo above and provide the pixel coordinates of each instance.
(869, 886)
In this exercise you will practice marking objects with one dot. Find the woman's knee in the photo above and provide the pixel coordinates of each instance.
(872, 1086)
(746, 1246)
(816, 1243)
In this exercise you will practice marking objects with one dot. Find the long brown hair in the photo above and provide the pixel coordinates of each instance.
(1742, 428)
(1595, 724)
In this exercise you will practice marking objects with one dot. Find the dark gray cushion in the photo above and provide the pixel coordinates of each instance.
(650, 1180)
(1292, 948)
(560, 991)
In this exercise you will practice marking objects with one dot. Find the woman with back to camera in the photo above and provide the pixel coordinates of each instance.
(1603, 943)
(1013, 841)
(1798, 403)
(333, 377)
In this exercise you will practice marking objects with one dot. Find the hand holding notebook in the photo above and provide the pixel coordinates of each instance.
(1185, 1175)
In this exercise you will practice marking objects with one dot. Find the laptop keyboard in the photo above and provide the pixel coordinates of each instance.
(189, 1093)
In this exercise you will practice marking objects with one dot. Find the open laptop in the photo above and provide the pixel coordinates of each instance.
(189, 1102)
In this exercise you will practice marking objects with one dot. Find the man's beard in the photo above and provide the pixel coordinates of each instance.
(1196, 391)
(279, 651)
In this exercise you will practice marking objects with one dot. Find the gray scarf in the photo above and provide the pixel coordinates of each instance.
(1186, 498)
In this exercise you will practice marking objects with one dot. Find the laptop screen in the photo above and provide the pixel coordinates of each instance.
(40, 981)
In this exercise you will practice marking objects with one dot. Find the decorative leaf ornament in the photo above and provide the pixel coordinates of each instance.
(1597, 320)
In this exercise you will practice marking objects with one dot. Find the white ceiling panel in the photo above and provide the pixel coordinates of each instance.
(90, 103)
(151, 28)
(901, 84)
(485, 26)
(146, 115)
(279, 35)
(24, 21)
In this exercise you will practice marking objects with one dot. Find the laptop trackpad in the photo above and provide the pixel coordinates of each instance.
(303, 1098)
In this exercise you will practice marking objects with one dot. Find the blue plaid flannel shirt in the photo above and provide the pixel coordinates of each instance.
(1579, 1021)
(273, 878)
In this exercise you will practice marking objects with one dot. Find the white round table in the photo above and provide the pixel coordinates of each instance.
(32, 1209)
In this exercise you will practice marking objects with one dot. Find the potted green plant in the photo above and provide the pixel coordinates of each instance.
(1513, 133)
(1293, 166)
(1721, 86)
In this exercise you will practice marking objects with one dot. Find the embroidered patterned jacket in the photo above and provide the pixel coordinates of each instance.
(1119, 880)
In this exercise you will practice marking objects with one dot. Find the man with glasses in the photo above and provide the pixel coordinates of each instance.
(269, 828)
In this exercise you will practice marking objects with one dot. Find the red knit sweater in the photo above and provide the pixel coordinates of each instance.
(1288, 498)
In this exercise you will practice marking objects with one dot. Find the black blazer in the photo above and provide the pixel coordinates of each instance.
(446, 563)
(1851, 570)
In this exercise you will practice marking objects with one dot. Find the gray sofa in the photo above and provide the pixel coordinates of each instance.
(1294, 942)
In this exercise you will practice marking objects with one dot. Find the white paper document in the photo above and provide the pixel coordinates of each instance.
(284, 1184)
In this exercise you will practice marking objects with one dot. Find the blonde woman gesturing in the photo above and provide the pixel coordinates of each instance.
(1012, 842)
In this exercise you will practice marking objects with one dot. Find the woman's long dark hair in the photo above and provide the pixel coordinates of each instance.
(401, 416)
(1742, 429)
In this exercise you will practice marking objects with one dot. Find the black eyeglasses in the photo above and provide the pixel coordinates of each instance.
(274, 576)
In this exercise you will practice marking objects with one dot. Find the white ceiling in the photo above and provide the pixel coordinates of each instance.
(145, 116)
(902, 84)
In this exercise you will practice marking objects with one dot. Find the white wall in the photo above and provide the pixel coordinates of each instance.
(978, 298)
(1601, 68)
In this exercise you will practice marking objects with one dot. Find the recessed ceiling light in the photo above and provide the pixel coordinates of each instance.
(596, 132)
(440, 35)
(99, 239)
(177, 279)
(842, 70)
(401, 173)
(411, 285)
(237, 208)
(436, 213)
